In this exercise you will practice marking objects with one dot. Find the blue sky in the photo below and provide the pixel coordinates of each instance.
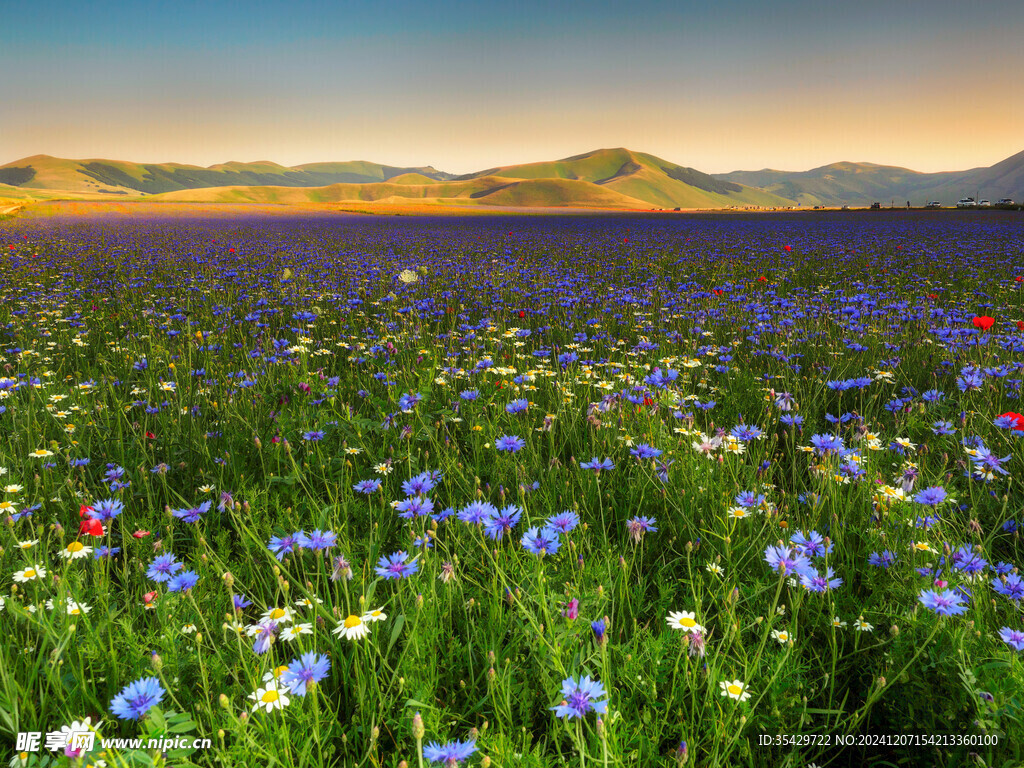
(464, 86)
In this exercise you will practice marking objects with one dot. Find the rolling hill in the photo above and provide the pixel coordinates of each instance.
(605, 178)
(124, 178)
(863, 183)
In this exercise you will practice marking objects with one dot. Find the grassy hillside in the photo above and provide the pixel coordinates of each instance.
(864, 183)
(120, 177)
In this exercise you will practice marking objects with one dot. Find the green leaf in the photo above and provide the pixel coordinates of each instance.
(396, 631)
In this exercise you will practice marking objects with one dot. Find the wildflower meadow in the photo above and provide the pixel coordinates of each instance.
(513, 490)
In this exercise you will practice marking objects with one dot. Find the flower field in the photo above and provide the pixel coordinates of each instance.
(514, 490)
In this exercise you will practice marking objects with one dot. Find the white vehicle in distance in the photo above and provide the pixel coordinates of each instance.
(934, 204)
(966, 202)
(1006, 201)
(984, 203)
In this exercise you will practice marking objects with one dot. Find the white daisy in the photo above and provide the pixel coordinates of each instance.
(270, 698)
(30, 573)
(275, 673)
(353, 628)
(75, 551)
(281, 615)
(375, 615)
(684, 620)
(735, 690)
(292, 632)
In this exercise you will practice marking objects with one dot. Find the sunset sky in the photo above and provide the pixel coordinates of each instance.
(466, 85)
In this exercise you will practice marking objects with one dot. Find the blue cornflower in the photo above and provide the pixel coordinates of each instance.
(450, 753)
(598, 628)
(240, 602)
(417, 506)
(942, 428)
(510, 443)
(826, 443)
(791, 421)
(517, 406)
(476, 512)
(812, 545)
(638, 526)
(1013, 638)
(931, 496)
(136, 699)
(815, 582)
(105, 551)
(469, 394)
(313, 435)
(580, 697)
(945, 603)
(497, 525)
(645, 451)
(107, 509)
(564, 521)
(311, 667)
(264, 633)
(883, 560)
(597, 465)
(785, 560)
(967, 560)
(367, 486)
(541, 542)
(193, 514)
(282, 545)
(749, 499)
(163, 567)
(395, 567)
(183, 581)
(420, 485)
(318, 540)
(745, 432)
(1011, 585)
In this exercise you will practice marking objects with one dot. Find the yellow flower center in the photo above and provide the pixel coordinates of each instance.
(30, 574)
(269, 697)
(734, 690)
(76, 546)
(277, 613)
(278, 671)
(352, 621)
(686, 622)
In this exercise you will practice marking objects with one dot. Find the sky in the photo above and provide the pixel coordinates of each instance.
(464, 86)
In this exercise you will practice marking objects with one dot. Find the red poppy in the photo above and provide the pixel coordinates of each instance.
(717, 291)
(787, 248)
(140, 534)
(90, 527)
(762, 279)
(1020, 325)
(648, 402)
(85, 511)
(933, 295)
(149, 597)
(1019, 279)
(625, 239)
(231, 250)
(983, 322)
(522, 313)
(151, 436)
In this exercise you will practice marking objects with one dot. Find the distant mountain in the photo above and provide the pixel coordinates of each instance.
(864, 183)
(605, 178)
(124, 178)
